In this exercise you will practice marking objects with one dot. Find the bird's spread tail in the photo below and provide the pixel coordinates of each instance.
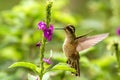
(74, 64)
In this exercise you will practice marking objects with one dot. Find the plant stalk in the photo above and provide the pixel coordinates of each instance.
(42, 48)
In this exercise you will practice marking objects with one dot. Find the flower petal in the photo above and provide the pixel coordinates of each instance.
(118, 31)
(41, 26)
(38, 44)
(48, 34)
(47, 61)
(49, 38)
(51, 28)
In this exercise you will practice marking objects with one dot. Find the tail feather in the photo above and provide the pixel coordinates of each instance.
(74, 64)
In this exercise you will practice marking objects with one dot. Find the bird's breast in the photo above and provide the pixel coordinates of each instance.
(69, 48)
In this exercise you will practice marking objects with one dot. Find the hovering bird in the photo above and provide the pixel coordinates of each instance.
(73, 45)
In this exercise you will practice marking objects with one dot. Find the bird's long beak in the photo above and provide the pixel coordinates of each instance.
(59, 28)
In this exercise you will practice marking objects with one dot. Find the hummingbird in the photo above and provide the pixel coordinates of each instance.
(73, 45)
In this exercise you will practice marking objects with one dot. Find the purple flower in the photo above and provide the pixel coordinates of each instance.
(51, 28)
(48, 32)
(37, 78)
(118, 31)
(38, 44)
(48, 61)
(41, 26)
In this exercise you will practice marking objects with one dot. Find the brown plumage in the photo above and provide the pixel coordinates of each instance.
(72, 45)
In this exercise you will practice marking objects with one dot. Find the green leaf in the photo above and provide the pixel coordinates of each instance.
(28, 65)
(63, 66)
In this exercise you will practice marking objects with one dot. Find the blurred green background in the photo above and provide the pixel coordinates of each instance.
(19, 35)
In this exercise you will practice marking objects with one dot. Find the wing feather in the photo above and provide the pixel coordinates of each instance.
(84, 43)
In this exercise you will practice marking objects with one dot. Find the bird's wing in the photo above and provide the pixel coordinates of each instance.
(84, 43)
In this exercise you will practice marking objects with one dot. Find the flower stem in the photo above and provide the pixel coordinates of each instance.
(42, 48)
(48, 12)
